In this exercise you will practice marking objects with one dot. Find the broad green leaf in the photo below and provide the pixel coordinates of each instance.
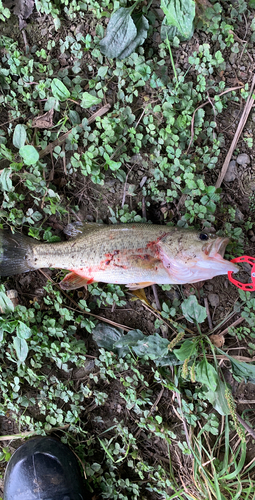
(29, 154)
(241, 370)
(186, 350)
(5, 180)
(206, 374)
(124, 33)
(121, 31)
(23, 331)
(6, 304)
(192, 311)
(59, 90)
(142, 27)
(217, 398)
(8, 326)
(89, 100)
(21, 348)
(102, 72)
(19, 136)
(152, 347)
(171, 31)
(105, 336)
(181, 14)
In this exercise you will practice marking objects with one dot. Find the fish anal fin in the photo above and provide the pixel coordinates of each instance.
(72, 281)
(137, 286)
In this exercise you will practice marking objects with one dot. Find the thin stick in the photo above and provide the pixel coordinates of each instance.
(30, 433)
(202, 106)
(208, 313)
(246, 426)
(101, 318)
(237, 322)
(247, 108)
(155, 293)
(63, 137)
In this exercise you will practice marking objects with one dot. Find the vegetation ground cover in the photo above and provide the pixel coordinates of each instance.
(153, 391)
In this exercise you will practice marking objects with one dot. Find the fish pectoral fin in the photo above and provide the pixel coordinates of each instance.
(72, 281)
(136, 286)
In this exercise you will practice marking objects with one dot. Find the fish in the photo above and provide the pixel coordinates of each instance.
(136, 255)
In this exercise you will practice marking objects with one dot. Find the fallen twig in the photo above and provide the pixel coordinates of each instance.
(25, 434)
(208, 313)
(202, 106)
(247, 108)
(63, 137)
(237, 322)
(246, 426)
(101, 318)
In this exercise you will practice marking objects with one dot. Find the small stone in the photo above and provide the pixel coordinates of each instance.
(233, 57)
(136, 159)
(231, 173)
(172, 294)
(214, 299)
(243, 159)
(209, 287)
(239, 216)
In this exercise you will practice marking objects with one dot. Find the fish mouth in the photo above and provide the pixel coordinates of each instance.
(215, 250)
(216, 247)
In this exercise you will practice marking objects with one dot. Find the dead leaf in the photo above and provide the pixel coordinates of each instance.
(217, 340)
(23, 9)
(140, 294)
(44, 121)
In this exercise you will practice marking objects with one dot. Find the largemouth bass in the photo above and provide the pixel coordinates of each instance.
(136, 255)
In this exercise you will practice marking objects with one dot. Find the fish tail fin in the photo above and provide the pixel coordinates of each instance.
(15, 253)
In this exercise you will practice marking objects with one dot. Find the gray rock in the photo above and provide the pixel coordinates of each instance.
(231, 173)
(243, 159)
(239, 216)
(233, 57)
(214, 299)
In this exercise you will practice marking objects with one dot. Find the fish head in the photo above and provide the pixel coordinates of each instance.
(191, 256)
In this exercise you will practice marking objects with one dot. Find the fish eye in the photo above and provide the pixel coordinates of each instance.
(203, 236)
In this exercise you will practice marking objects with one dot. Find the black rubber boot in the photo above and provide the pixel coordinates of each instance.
(44, 469)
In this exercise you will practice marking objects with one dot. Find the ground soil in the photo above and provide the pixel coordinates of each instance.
(94, 200)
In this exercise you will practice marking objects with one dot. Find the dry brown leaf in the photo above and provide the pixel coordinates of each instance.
(23, 9)
(44, 121)
(217, 340)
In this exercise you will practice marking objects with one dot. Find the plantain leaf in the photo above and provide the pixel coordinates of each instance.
(105, 336)
(21, 348)
(59, 90)
(181, 14)
(186, 350)
(192, 311)
(206, 374)
(241, 370)
(6, 304)
(217, 398)
(124, 33)
(142, 27)
(19, 136)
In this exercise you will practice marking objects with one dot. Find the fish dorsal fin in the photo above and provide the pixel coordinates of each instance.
(78, 228)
